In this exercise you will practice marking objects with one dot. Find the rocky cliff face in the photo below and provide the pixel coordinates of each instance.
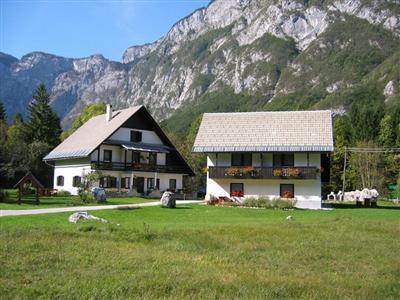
(264, 48)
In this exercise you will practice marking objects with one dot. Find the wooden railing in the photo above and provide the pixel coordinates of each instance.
(121, 166)
(264, 172)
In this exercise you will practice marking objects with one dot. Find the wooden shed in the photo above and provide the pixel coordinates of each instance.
(29, 178)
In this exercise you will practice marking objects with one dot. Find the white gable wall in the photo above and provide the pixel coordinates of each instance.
(124, 134)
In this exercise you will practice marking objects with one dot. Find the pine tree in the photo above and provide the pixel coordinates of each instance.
(3, 115)
(387, 132)
(43, 124)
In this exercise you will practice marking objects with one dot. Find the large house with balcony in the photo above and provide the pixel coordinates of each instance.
(274, 154)
(127, 147)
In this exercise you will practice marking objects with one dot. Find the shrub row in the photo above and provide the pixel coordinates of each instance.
(266, 202)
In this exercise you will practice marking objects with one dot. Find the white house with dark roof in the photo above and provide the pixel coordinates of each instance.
(127, 146)
(275, 154)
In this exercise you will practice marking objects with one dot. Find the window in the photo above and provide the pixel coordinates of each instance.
(107, 157)
(135, 157)
(136, 136)
(125, 182)
(60, 180)
(152, 158)
(108, 182)
(241, 159)
(237, 189)
(76, 181)
(287, 190)
(150, 183)
(172, 184)
(283, 159)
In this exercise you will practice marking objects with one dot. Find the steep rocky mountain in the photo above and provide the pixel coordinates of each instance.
(231, 55)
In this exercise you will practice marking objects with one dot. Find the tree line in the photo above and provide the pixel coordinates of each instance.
(372, 125)
(23, 144)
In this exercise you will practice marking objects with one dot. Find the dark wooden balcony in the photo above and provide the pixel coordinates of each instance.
(264, 172)
(121, 166)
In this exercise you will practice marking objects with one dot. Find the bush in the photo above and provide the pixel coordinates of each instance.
(262, 201)
(266, 202)
(4, 196)
(283, 203)
(63, 193)
(86, 197)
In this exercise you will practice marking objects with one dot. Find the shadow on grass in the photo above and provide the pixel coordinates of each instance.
(352, 206)
(178, 207)
(33, 202)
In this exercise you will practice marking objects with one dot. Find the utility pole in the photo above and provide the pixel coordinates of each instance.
(344, 169)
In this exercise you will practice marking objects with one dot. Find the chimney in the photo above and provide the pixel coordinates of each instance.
(108, 113)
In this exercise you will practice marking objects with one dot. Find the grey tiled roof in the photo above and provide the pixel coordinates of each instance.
(265, 132)
(90, 135)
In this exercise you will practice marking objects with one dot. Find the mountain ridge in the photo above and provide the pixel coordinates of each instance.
(261, 49)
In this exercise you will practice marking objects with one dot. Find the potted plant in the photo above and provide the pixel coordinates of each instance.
(288, 194)
(277, 172)
(293, 172)
(249, 170)
(237, 194)
(233, 172)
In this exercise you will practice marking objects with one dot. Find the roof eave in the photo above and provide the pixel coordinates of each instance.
(312, 148)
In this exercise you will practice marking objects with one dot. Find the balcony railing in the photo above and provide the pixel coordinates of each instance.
(264, 172)
(121, 166)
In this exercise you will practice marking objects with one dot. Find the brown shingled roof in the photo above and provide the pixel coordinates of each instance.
(265, 131)
(90, 135)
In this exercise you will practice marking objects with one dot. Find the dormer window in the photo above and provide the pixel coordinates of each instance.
(136, 136)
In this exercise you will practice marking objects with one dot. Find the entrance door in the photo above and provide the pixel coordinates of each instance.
(140, 184)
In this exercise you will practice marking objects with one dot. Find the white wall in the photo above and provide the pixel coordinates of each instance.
(304, 190)
(161, 159)
(307, 192)
(124, 134)
(69, 169)
(72, 168)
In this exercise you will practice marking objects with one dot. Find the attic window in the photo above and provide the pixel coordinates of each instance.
(136, 136)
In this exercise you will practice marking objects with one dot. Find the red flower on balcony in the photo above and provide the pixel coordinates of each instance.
(248, 169)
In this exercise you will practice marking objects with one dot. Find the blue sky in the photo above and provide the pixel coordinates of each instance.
(75, 28)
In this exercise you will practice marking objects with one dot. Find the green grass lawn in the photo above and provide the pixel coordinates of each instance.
(28, 201)
(202, 252)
